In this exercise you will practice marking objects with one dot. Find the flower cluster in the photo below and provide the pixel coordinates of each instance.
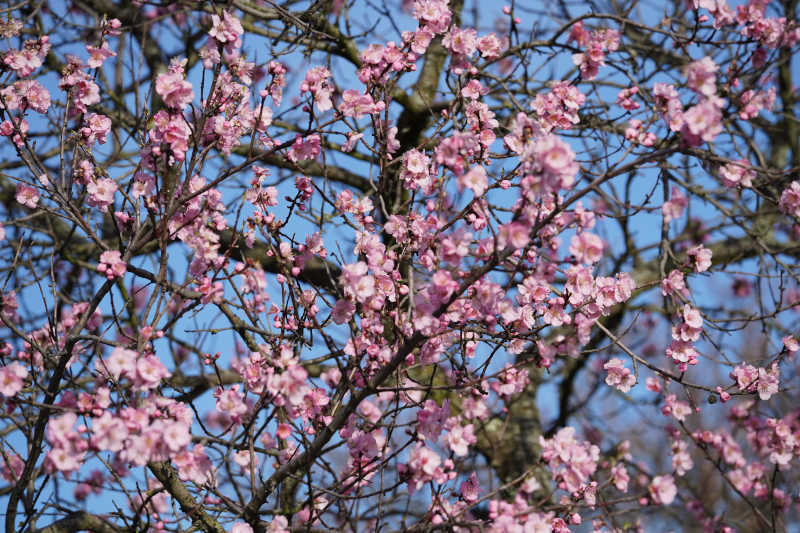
(378, 61)
(316, 83)
(636, 133)
(173, 88)
(751, 379)
(24, 62)
(548, 165)
(618, 376)
(111, 264)
(572, 462)
(145, 371)
(737, 173)
(597, 43)
(79, 85)
(558, 109)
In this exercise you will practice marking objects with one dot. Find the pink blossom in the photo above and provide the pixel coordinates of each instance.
(461, 41)
(352, 141)
(663, 490)
(678, 409)
(27, 196)
(149, 372)
(702, 122)
(176, 434)
(790, 199)
(674, 207)
(752, 102)
(12, 378)
(790, 344)
(112, 27)
(597, 43)
(549, 164)
(97, 56)
(514, 234)
(586, 247)
(701, 76)
(342, 311)
(415, 162)
(227, 29)
(653, 385)
(700, 257)
(490, 46)
(624, 99)
(424, 465)
(636, 133)
(618, 376)
(17, 130)
(64, 460)
(109, 432)
(737, 173)
(691, 317)
(278, 72)
(416, 171)
(459, 438)
(431, 419)
(61, 429)
(470, 488)
(512, 381)
(241, 527)
(434, 14)
(355, 104)
(24, 62)
(681, 460)
(11, 467)
(418, 40)
(379, 60)
(682, 353)
(121, 363)
(172, 130)
(25, 94)
(212, 291)
(195, 466)
(316, 82)
(81, 88)
(101, 193)
(768, 382)
(290, 386)
(559, 107)
(171, 86)
(473, 90)
(231, 402)
(674, 284)
(209, 53)
(620, 476)
(571, 462)
(279, 524)
(96, 128)
(305, 148)
(111, 264)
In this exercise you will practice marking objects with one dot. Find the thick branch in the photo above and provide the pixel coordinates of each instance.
(81, 521)
(168, 477)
